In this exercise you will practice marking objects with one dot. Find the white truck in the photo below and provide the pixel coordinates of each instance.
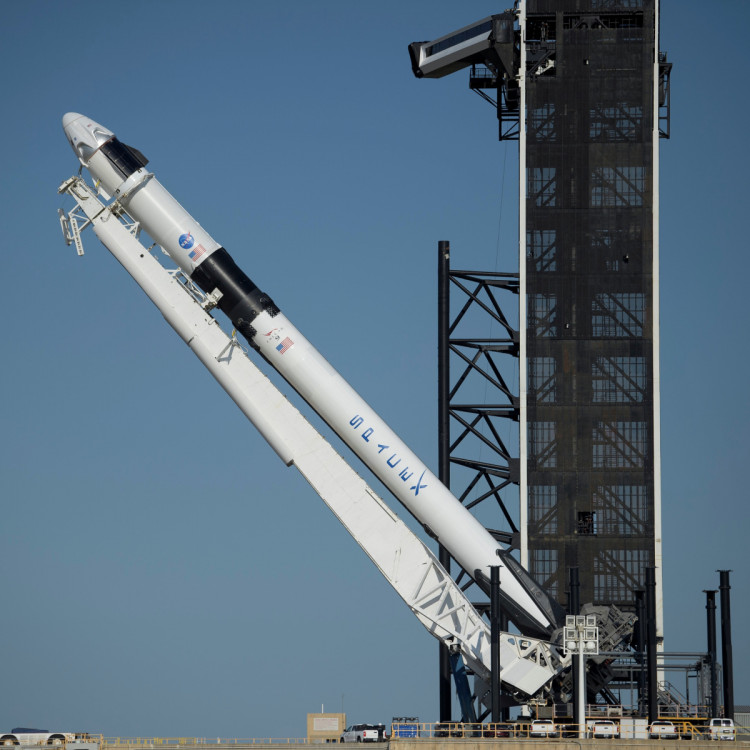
(662, 729)
(603, 729)
(543, 728)
(364, 733)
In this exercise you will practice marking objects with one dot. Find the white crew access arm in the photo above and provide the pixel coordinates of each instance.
(408, 565)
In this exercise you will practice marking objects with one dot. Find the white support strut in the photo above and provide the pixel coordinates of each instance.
(403, 559)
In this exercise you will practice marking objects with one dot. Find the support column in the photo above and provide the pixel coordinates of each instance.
(652, 682)
(640, 642)
(574, 608)
(711, 637)
(726, 645)
(444, 664)
(495, 616)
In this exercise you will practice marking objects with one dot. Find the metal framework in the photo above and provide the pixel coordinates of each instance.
(477, 405)
(588, 106)
(590, 258)
(593, 100)
(478, 401)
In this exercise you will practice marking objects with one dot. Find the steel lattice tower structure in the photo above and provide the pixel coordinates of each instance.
(593, 88)
(582, 86)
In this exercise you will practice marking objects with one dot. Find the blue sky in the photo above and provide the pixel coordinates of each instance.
(163, 573)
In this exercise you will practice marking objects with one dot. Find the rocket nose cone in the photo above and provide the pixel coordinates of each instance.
(84, 135)
(69, 118)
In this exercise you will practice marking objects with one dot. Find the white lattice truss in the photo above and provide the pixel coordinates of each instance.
(527, 665)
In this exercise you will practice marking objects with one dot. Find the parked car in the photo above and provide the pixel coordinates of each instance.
(543, 728)
(721, 729)
(28, 736)
(449, 729)
(661, 729)
(364, 733)
(604, 729)
(498, 730)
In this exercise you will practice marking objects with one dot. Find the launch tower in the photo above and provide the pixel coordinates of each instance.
(593, 106)
(582, 86)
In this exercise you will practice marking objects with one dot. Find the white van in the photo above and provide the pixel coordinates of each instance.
(721, 729)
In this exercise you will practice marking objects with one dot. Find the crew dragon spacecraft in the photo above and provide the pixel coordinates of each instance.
(119, 173)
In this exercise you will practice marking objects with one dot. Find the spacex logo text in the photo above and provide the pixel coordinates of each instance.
(392, 459)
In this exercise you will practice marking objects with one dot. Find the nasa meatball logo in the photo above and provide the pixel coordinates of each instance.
(186, 241)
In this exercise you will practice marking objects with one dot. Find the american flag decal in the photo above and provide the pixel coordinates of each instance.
(195, 254)
(287, 343)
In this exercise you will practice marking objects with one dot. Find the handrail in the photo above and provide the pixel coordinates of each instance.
(626, 728)
(197, 742)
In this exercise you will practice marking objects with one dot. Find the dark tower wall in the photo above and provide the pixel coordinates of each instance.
(591, 336)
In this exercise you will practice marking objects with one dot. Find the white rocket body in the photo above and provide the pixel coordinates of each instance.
(120, 172)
